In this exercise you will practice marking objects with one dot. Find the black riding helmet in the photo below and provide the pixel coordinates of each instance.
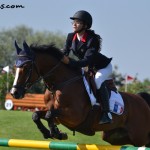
(83, 16)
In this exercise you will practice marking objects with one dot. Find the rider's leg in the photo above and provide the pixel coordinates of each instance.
(102, 92)
(103, 96)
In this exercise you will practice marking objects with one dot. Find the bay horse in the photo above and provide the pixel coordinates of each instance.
(70, 104)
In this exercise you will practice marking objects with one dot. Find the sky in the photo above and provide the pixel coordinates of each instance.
(124, 26)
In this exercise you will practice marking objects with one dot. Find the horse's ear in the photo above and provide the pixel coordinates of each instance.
(26, 47)
(17, 48)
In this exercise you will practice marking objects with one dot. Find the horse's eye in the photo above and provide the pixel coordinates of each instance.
(26, 68)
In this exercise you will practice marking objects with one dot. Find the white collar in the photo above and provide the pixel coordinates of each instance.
(79, 36)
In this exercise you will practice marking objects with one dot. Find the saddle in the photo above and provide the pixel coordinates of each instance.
(110, 84)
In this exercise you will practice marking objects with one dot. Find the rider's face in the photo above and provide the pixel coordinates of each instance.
(77, 25)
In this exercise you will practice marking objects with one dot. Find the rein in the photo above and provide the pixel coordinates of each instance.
(68, 82)
(40, 77)
(65, 83)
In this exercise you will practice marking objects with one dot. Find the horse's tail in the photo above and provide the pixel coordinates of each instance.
(145, 96)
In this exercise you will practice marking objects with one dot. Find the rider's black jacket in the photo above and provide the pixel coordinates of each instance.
(87, 50)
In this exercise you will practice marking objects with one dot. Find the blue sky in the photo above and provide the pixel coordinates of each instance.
(124, 26)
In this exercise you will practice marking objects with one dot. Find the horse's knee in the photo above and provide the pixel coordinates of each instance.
(48, 115)
(35, 116)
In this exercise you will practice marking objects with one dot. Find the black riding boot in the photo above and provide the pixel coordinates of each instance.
(103, 97)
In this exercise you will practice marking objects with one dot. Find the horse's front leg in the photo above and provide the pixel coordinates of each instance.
(50, 100)
(54, 131)
(36, 118)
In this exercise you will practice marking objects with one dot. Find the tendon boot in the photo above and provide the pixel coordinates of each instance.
(103, 96)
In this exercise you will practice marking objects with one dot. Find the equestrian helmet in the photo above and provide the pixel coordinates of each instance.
(83, 16)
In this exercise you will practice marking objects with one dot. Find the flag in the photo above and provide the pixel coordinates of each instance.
(129, 78)
(6, 69)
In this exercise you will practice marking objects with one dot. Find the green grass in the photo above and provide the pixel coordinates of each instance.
(19, 125)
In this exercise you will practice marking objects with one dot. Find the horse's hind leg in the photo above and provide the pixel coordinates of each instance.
(36, 118)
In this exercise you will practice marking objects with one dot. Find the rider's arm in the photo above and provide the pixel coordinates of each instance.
(87, 60)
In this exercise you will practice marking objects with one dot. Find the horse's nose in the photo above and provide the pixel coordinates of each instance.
(12, 91)
(15, 93)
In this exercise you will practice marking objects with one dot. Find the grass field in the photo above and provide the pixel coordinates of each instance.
(19, 125)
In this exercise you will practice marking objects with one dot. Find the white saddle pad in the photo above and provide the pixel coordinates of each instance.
(116, 103)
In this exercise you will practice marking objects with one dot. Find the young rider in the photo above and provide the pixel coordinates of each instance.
(86, 45)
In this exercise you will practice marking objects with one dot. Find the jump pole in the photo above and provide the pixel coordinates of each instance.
(62, 145)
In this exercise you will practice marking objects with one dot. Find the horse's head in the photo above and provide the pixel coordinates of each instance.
(25, 74)
(34, 63)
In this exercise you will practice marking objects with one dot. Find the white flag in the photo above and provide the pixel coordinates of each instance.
(6, 69)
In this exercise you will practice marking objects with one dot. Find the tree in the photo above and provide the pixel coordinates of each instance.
(118, 77)
(134, 86)
(137, 86)
(21, 33)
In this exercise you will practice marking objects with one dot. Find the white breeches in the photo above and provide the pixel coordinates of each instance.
(102, 75)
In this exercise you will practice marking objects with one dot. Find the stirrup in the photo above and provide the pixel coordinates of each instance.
(106, 118)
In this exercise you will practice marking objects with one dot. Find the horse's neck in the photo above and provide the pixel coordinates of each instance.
(64, 73)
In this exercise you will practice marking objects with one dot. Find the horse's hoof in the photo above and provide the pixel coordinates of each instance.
(63, 136)
(47, 136)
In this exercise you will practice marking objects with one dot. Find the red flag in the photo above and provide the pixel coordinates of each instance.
(129, 78)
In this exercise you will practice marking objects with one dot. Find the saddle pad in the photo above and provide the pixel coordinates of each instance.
(115, 102)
